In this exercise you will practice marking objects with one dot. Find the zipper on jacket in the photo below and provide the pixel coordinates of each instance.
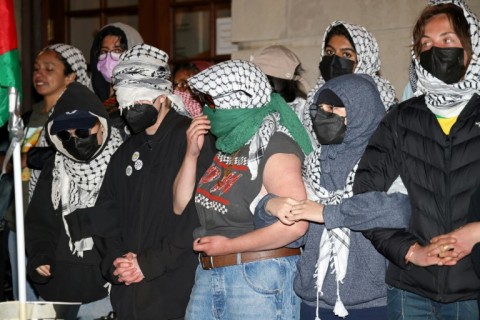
(442, 272)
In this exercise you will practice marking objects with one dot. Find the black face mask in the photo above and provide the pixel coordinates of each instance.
(445, 64)
(140, 117)
(334, 66)
(82, 149)
(328, 127)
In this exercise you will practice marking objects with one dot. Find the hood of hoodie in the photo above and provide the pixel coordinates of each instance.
(365, 110)
(363, 105)
(78, 97)
(132, 37)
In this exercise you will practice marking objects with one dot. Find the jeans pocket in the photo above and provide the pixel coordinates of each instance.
(267, 276)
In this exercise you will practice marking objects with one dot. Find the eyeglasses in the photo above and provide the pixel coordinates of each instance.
(65, 135)
(208, 100)
(182, 86)
(114, 54)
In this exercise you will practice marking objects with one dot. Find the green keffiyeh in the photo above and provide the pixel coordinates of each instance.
(234, 127)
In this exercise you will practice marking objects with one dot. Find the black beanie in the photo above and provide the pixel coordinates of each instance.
(327, 96)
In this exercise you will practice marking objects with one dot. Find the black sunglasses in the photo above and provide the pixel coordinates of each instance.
(64, 135)
(205, 99)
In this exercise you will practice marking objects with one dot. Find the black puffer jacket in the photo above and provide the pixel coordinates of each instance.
(440, 173)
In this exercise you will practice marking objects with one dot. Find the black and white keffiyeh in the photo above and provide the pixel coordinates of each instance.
(329, 172)
(75, 185)
(334, 246)
(75, 59)
(143, 74)
(367, 51)
(234, 84)
(448, 100)
(239, 84)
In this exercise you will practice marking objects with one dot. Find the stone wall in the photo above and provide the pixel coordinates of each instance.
(300, 25)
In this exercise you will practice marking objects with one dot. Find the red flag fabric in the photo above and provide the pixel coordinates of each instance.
(9, 59)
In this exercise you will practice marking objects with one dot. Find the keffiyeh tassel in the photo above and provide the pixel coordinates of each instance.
(334, 244)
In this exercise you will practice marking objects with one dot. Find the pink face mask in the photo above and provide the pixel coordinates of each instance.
(191, 104)
(105, 66)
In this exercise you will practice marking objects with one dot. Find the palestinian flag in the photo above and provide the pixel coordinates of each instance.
(9, 61)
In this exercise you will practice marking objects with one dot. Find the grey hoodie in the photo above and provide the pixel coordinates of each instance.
(364, 285)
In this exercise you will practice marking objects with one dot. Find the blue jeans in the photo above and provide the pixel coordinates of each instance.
(255, 290)
(402, 304)
(95, 309)
(12, 252)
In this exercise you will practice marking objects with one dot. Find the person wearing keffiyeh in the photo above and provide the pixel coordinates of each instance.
(148, 255)
(359, 53)
(339, 272)
(431, 141)
(261, 144)
(63, 269)
(56, 66)
(181, 72)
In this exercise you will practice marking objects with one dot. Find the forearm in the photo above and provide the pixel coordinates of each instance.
(274, 236)
(369, 210)
(184, 184)
(393, 244)
(261, 217)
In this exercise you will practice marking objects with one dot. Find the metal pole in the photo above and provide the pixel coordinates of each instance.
(16, 129)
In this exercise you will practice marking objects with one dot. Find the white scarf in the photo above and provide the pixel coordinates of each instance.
(335, 243)
(76, 185)
(448, 100)
(143, 74)
(366, 47)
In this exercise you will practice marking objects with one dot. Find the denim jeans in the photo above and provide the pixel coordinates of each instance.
(255, 290)
(402, 304)
(95, 309)
(12, 252)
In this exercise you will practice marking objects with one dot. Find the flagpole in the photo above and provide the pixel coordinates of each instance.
(16, 129)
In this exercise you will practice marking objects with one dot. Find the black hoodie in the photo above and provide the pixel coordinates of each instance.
(73, 278)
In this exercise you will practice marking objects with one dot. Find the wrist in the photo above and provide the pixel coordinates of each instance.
(410, 253)
(265, 201)
(322, 213)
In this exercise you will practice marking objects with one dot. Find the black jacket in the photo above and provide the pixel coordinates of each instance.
(474, 211)
(135, 214)
(74, 279)
(440, 173)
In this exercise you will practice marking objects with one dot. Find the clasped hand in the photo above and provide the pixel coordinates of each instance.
(449, 248)
(127, 269)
